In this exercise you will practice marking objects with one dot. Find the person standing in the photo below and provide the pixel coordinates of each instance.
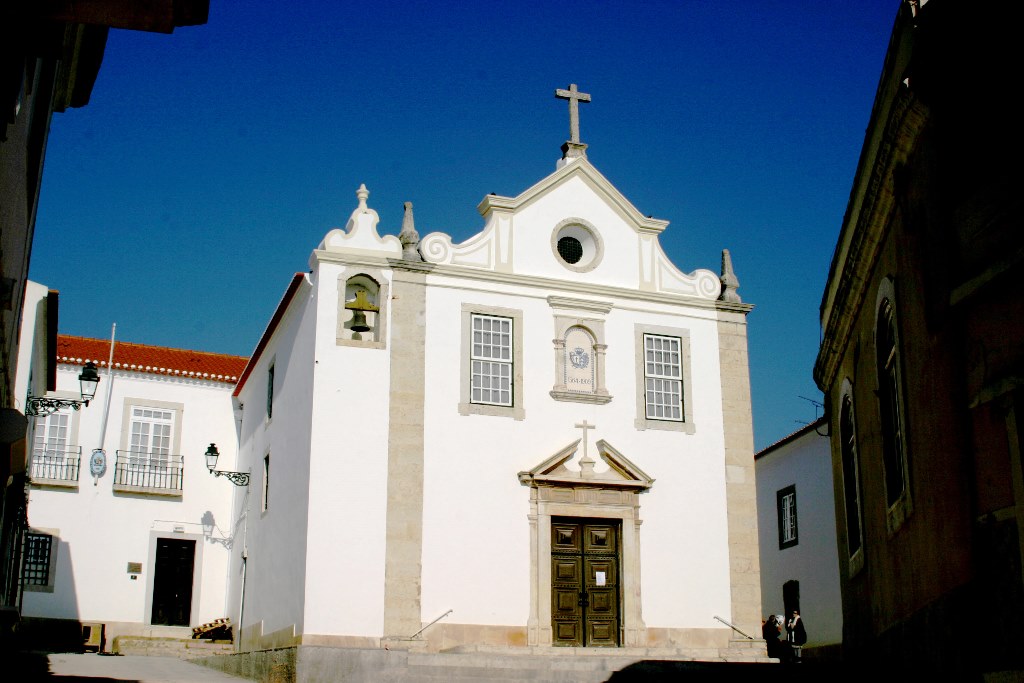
(770, 631)
(796, 635)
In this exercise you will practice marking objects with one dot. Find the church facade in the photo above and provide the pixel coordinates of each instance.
(540, 436)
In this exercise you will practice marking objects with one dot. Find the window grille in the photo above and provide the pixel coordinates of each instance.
(851, 483)
(151, 436)
(663, 376)
(36, 569)
(889, 400)
(491, 357)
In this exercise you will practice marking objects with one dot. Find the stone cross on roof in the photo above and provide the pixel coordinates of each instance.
(575, 97)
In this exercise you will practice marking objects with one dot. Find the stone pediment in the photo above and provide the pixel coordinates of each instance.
(520, 233)
(584, 170)
(621, 473)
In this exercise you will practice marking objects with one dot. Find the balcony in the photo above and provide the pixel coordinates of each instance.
(154, 473)
(56, 466)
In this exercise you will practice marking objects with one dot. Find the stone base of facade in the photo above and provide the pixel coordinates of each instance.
(312, 664)
(447, 637)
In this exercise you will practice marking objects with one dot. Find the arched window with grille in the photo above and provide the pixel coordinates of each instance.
(892, 421)
(851, 480)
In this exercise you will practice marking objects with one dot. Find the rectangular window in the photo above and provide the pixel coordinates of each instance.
(491, 357)
(150, 435)
(53, 456)
(266, 482)
(786, 501)
(270, 392)
(147, 460)
(663, 377)
(36, 568)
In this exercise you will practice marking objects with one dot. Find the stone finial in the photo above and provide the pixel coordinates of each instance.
(409, 238)
(729, 281)
(363, 194)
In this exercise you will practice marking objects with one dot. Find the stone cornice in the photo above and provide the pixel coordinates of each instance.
(851, 276)
(366, 261)
(568, 303)
(549, 284)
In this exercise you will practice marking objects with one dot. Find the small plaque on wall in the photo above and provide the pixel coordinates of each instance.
(579, 361)
(134, 567)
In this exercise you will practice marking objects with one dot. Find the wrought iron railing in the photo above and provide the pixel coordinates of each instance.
(149, 471)
(55, 464)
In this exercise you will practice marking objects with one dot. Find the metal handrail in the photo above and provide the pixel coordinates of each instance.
(413, 636)
(56, 464)
(149, 470)
(734, 628)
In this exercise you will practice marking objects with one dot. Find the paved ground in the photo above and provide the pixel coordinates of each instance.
(93, 668)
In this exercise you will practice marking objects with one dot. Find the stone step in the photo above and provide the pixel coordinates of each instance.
(584, 665)
(182, 648)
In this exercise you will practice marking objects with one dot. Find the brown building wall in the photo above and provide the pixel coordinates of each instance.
(935, 208)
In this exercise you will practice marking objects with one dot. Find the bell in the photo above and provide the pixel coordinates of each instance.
(359, 321)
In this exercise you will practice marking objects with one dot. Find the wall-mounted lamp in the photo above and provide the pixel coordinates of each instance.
(44, 405)
(236, 478)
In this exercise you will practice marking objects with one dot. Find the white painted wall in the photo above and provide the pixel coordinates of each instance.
(476, 533)
(348, 475)
(100, 531)
(275, 540)
(31, 345)
(813, 561)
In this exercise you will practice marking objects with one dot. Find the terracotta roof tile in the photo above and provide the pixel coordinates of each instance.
(160, 360)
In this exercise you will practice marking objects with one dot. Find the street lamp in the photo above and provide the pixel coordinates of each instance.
(44, 405)
(236, 478)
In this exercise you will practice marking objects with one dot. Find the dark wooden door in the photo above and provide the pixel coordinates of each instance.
(172, 581)
(585, 560)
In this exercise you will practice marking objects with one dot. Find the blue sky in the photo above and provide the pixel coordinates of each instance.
(209, 163)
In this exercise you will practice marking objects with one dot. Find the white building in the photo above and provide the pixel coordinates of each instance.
(542, 435)
(143, 546)
(491, 439)
(796, 522)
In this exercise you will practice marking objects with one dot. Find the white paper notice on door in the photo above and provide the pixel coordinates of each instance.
(599, 578)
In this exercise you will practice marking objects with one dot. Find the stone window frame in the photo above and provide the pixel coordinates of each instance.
(849, 468)
(891, 407)
(583, 502)
(72, 440)
(595, 328)
(197, 572)
(51, 559)
(642, 421)
(126, 430)
(380, 328)
(517, 410)
(781, 496)
(578, 225)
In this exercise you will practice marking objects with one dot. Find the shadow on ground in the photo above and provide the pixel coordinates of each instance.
(34, 666)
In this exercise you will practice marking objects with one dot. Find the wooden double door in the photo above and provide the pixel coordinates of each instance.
(585, 598)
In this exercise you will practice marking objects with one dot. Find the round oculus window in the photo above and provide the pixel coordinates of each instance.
(577, 245)
(570, 249)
